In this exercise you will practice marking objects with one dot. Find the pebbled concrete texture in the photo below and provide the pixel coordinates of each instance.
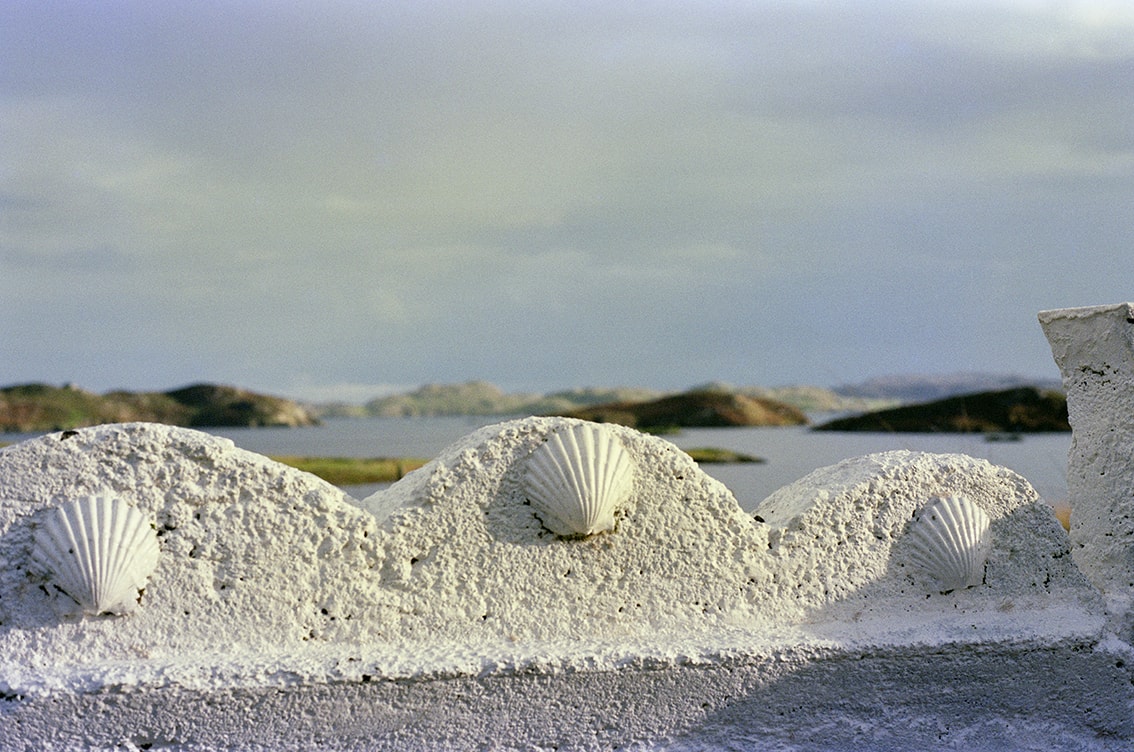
(444, 615)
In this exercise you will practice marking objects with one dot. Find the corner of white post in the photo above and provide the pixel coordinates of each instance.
(1094, 349)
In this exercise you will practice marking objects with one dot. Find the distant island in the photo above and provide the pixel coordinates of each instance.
(910, 389)
(1009, 411)
(701, 408)
(483, 398)
(42, 407)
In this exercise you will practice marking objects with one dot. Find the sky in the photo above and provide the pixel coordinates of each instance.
(335, 200)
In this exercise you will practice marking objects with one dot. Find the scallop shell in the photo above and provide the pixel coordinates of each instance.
(950, 539)
(99, 550)
(578, 479)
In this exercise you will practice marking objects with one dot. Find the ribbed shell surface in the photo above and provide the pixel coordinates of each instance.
(99, 550)
(578, 479)
(950, 539)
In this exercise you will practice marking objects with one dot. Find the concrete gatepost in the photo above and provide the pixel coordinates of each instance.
(1094, 349)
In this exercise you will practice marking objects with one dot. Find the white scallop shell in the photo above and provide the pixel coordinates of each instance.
(99, 550)
(578, 479)
(950, 539)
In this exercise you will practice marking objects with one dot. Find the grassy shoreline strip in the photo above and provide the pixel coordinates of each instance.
(711, 455)
(356, 471)
(353, 471)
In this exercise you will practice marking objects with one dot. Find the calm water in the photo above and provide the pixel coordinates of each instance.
(791, 453)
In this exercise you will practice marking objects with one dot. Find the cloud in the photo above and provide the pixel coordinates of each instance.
(392, 193)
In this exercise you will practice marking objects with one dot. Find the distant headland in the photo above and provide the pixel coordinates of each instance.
(1009, 404)
(483, 398)
(1009, 411)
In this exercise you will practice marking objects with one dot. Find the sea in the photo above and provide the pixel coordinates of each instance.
(789, 453)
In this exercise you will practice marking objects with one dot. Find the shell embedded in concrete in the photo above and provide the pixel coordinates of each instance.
(578, 479)
(99, 550)
(950, 539)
